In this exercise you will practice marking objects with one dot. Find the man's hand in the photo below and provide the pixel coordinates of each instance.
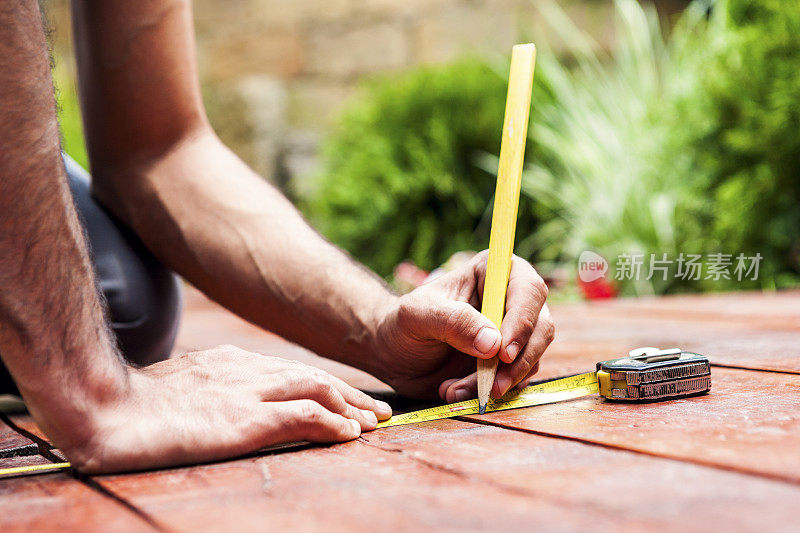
(220, 403)
(424, 337)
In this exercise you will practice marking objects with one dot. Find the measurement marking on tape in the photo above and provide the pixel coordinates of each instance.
(542, 393)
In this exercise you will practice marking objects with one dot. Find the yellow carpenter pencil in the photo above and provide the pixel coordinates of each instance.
(506, 201)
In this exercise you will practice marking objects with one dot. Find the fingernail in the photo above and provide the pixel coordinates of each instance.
(486, 339)
(356, 426)
(384, 408)
(370, 416)
(461, 395)
(512, 350)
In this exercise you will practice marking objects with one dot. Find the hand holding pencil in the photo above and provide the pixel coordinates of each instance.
(435, 325)
(506, 201)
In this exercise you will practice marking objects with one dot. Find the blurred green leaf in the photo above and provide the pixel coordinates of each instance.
(69, 113)
(401, 178)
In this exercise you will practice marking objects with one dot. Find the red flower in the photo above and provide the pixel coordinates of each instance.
(598, 289)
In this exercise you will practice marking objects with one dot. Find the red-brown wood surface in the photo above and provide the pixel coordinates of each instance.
(748, 330)
(456, 475)
(58, 502)
(749, 422)
(724, 461)
(12, 443)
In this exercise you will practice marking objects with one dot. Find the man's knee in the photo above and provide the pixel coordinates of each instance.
(143, 296)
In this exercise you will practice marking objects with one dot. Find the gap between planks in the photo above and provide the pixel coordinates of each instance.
(483, 480)
(45, 450)
(755, 369)
(642, 451)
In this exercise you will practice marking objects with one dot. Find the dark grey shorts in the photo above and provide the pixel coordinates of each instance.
(144, 297)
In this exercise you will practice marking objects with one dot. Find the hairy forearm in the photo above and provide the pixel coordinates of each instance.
(208, 216)
(157, 164)
(53, 336)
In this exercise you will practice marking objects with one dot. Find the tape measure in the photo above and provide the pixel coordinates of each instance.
(47, 467)
(647, 374)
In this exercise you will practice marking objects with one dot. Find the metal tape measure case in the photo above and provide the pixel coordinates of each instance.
(654, 375)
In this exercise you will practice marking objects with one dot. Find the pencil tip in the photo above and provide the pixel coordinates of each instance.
(482, 409)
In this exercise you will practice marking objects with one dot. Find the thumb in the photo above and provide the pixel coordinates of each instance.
(458, 324)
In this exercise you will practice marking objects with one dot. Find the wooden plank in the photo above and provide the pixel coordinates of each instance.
(12, 443)
(638, 490)
(609, 332)
(426, 477)
(749, 422)
(59, 502)
(608, 329)
(348, 487)
(21, 460)
(26, 423)
(760, 310)
(54, 500)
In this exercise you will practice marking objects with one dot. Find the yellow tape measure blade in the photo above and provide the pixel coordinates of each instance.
(542, 393)
(33, 468)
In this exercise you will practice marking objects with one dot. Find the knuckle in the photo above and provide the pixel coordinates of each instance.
(540, 288)
(309, 412)
(294, 364)
(549, 330)
(291, 379)
(526, 324)
(194, 357)
(457, 321)
(524, 367)
(226, 348)
(521, 261)
(406, 312)
(198, 372)
(320, 380)
(227, 351)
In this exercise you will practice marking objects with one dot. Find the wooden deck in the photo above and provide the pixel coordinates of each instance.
(728, 461)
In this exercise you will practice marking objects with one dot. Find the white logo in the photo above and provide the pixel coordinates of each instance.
(591, 266)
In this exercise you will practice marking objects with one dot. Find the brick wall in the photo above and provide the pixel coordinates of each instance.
(275, 72)
(308, 56)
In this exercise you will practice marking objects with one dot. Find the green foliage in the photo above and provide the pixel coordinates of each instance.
(401, 179)
(740, 117)
(687, 144)
(593, 177)
(69, 113)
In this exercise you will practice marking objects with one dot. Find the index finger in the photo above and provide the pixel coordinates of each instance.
(356, 398)
(525, 296)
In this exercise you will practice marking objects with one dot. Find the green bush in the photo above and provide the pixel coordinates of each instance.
(739, 118)
(401, 178)
(687, 144)
(69, 112)
(593, 176)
